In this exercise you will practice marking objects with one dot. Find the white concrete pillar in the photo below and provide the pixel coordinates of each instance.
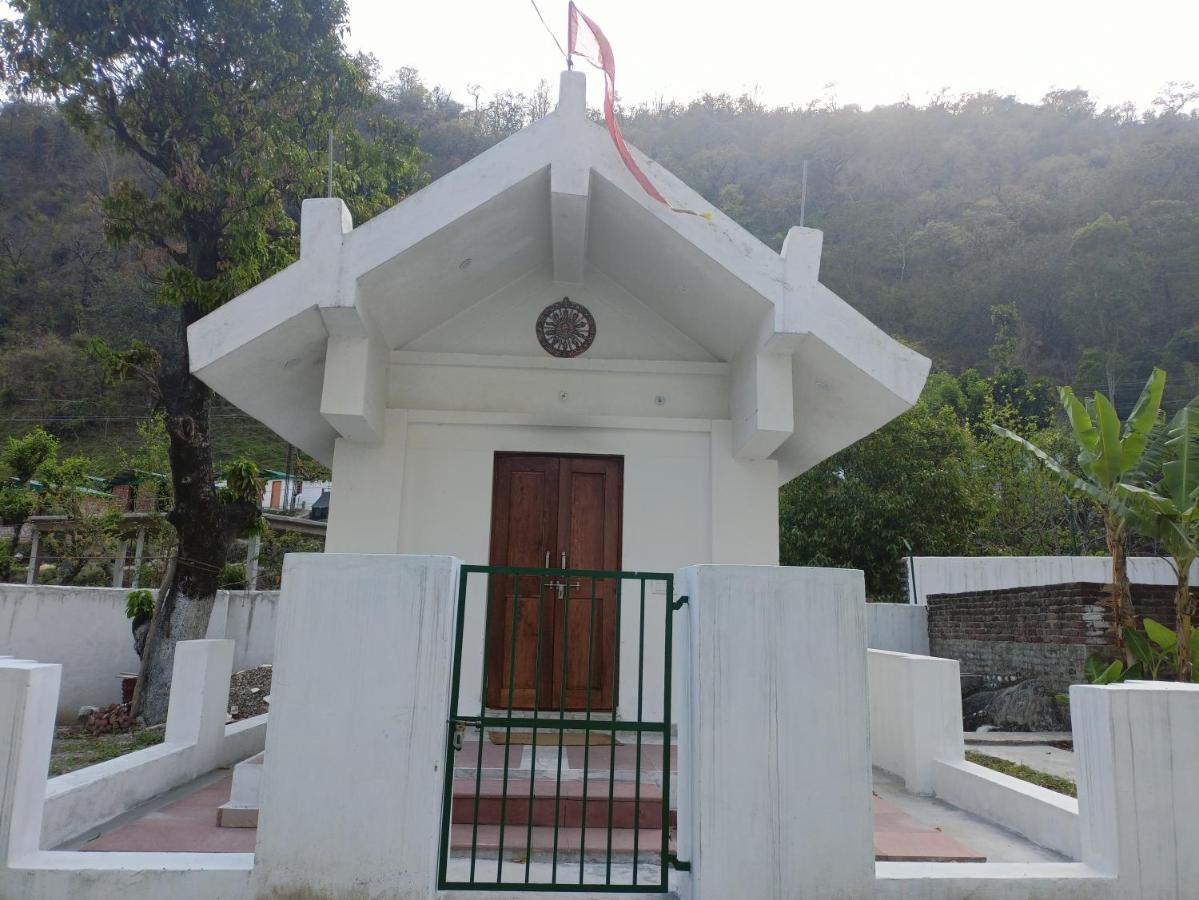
(1138, 797)
(118, 564)
(199, 703)
(352, 778)
(28, 701)
(915, 715)
(253, 550)
(778, 794)
(31, 571)
(138, 551)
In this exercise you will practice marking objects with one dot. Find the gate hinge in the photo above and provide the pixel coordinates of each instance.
(679, 865)
(680, 603)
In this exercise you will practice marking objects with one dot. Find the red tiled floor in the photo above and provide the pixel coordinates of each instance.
(898, 837)
(187, 825)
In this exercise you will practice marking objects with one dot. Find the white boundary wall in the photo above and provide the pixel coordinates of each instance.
(901, 627)
(84, 629)
(958, 574)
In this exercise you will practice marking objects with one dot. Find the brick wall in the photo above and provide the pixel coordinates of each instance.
(1045, 632)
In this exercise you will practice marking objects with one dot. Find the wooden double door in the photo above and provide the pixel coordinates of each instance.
(552, 641)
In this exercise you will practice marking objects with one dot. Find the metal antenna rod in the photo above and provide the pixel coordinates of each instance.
(329, 183)
(803, 194)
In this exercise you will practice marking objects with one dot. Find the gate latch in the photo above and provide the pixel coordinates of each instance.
(680, 603)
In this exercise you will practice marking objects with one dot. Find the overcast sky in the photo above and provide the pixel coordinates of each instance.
(787, 51)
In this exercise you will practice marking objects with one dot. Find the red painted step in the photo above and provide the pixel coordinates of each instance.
(626, 811)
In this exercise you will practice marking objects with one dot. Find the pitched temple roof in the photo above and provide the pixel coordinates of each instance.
(809, 375)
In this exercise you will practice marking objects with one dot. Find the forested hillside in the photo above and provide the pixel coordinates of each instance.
(989, 233)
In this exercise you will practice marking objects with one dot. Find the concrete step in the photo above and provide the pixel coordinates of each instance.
(629, 807)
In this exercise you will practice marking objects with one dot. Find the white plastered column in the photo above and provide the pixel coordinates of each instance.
(915, 715)
(1138, 797)
(774, 765)
(352, 777)
(28, 701)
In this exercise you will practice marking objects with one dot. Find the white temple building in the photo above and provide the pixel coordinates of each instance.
(533, 362)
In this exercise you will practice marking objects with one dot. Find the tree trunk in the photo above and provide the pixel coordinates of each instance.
(1120, 591)
(1183, 611)
(204, 525)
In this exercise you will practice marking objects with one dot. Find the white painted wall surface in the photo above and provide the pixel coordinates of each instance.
(957, 574)
(901, 627)
(85, 630)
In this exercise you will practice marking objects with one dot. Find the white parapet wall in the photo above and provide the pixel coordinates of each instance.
(85, 630)
(197, 741)
(36, 813)
(958, 574)
(1132, 829)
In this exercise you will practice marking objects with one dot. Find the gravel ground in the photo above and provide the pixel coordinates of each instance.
(250, 692)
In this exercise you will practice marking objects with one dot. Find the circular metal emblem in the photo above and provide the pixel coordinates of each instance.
(565, 328)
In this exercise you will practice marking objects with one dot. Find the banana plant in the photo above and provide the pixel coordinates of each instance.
(1111, 454)
(1166, 508)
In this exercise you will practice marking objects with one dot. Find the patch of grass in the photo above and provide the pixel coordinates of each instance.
(1024, 773)
(75, 749)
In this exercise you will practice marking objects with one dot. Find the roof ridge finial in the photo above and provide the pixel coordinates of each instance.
(572, 94)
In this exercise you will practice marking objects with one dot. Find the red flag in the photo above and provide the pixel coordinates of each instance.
(589, 43)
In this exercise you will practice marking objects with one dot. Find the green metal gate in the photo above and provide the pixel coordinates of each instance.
(505, 826)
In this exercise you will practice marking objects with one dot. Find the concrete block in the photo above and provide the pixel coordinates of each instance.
(778, 792)
(351, 781)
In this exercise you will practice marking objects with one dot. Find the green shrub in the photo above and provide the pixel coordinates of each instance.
(233, 577)
(139, 604)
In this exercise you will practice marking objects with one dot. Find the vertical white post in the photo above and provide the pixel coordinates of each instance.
(118, 564)
(1138, 798)
(31, 574)
(199, 702)
(28, 701)
(138, 552)
(915, 715)
(253, 549)
(779, 760)
(353, 773)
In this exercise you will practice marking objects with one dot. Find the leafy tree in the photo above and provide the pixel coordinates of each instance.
(226, 107)
(911, 480)
(23, 458)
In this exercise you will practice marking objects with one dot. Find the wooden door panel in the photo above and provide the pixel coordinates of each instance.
(524, 524)
(589, 530)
